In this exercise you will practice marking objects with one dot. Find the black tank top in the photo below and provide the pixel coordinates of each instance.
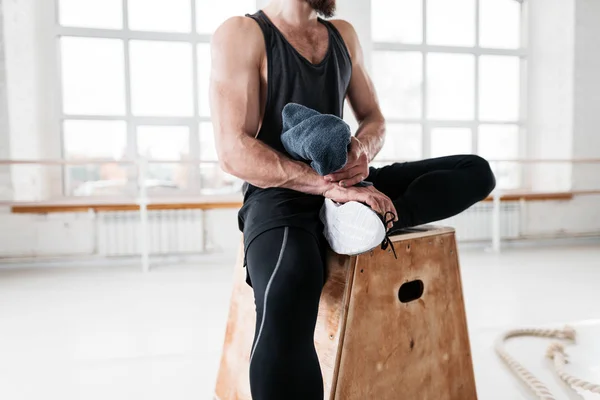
(291, 78)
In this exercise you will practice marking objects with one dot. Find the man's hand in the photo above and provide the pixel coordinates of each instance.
(356, 168)
(378, 201)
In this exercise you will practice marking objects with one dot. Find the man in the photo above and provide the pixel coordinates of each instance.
(286, 53)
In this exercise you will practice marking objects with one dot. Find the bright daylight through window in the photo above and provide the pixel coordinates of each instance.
(134, 81)
(448, 75)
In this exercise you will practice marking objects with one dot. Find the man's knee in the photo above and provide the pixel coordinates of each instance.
(483, 176)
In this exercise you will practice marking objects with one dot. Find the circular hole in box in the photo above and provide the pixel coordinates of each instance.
(411, 291)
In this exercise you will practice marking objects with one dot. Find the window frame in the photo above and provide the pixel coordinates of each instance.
(355, 13)
(427, 123)
(126, 35)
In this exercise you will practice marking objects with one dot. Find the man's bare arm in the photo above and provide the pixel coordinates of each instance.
(362, 95)
(235, 107)
(237, 51)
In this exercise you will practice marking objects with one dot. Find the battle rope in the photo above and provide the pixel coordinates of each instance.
(555, 352)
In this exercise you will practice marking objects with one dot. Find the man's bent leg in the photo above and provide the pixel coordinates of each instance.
(286, 268)
(434, 189)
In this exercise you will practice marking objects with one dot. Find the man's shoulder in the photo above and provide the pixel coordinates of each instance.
(344, 27)
(348, 34)
(237, 30)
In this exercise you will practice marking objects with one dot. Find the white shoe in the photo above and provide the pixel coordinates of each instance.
(351, 228)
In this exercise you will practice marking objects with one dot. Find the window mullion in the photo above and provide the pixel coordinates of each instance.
(425, 131)
(132, 152)
(126, 33)
(195, 78)
(195, 176)
(475, 130)
(391, 46)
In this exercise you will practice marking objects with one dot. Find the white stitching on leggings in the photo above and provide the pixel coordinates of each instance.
(262, 323)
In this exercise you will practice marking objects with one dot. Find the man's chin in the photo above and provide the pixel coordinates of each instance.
(325, 8)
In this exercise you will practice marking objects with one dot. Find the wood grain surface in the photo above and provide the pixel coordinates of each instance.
(416, 350)
(370, 344)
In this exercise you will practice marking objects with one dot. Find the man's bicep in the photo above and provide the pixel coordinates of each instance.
(361, 91)
(235, 85)
(361, 94)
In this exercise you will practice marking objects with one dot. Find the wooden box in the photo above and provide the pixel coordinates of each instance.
(387, 328)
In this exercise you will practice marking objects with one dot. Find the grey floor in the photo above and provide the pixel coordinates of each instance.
(111, 332)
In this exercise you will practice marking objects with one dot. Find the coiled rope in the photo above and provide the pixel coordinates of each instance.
(555, 351)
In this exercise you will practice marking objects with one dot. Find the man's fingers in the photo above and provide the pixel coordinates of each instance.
(343, 174)
(373, 203)
(338, 176)
(388, 207)
(392, 209)
(352, 180)
(383, 206)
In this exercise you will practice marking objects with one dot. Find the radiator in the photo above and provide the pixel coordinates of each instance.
(181, 231)
(475, 224)
(169, 232)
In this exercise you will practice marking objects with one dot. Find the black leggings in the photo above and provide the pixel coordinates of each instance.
(286, 266)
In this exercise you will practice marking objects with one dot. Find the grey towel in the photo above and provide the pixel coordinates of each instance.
(322, 139)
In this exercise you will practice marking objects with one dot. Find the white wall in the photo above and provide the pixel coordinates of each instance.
(5, 178)
(22, 82)
(586, 116)
(551, 41)
(25, 235)
(563, 114)
(30, 72)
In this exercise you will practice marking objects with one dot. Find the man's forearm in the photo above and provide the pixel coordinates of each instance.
(258, 164)
(371, 133)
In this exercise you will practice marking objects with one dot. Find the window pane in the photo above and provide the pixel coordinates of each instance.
(398, 80)
(203, 78)
(499, 86)
(160, 15)
(161, 78)
(165, 143)
(214, 180)
(349, 117)
(210, 14)
(402, 142)
(93, 76)
(397, 21)
(208, 151)
(450, 141)
(450, 86)
(451, 23)
(95, 140)
(501, 142)
(106, 14)
(500, 25)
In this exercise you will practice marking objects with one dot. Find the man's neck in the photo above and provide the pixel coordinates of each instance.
(297, 13)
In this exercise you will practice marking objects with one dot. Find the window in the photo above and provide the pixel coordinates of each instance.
(449, 79)
(134, 81)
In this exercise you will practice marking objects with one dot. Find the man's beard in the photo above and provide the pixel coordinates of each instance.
(325, 8)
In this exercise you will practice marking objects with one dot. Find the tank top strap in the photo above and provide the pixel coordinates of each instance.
(266, 28)
(338, 44)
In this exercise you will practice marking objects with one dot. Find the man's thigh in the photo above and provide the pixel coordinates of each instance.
(288, 259)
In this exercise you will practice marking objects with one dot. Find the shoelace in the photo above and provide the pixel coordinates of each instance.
(387, 241)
